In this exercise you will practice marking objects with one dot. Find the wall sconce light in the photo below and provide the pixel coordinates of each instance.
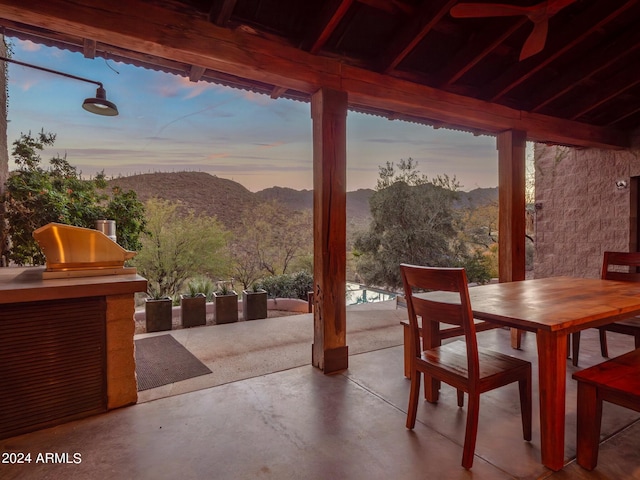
(621, 184)
(98, 105)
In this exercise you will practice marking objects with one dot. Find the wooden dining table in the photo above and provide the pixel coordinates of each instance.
(553, 308)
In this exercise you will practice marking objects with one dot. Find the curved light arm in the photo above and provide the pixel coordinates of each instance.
(44, 69)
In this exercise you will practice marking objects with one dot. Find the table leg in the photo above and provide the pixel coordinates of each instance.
(552, 354)
(516, 338)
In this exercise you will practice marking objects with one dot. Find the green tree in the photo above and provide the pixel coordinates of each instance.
(35, 196)
(412, 221)
(270, 240)
(177, 247)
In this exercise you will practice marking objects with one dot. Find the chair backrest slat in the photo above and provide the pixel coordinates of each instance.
(453, 307)
(449, 313)
(622, 266)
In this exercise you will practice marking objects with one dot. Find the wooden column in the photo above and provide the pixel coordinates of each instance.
(511, 221)
(329, 116)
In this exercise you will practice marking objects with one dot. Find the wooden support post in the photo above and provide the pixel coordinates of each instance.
(511, 222)
(329, 116)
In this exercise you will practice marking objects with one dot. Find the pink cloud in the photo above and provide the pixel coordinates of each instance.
(29, 46)
(213, 156)
(26, 85)
(258, 98)
(175, 86)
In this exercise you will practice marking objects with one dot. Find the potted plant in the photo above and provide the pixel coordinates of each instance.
(225, 302)
(158, 311)
(254, 303)
(193, 304)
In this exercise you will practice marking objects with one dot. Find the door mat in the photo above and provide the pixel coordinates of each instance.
(162, 360)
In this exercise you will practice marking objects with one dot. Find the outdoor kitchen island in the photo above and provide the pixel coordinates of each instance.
(66, 346)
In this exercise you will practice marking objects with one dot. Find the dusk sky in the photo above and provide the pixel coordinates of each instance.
(169, 124)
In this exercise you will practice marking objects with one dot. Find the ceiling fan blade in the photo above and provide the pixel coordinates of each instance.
(469, 10)
(536, 40)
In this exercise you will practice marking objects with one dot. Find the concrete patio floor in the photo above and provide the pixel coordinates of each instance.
(243, 422)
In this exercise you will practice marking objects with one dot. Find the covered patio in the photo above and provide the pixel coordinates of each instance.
(404, 60)
(287, 420)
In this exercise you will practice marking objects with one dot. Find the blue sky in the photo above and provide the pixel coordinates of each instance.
(169, 124)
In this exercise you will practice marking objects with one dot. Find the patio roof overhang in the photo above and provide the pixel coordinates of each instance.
(400, 59)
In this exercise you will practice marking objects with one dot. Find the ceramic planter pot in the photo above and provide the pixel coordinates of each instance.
(158, 314)
(193, 310)
(225, 307)
(254, 304)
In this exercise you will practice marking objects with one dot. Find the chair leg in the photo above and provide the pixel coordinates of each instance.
(413, 398)
(575, 348)
(603, 343)
(460, 398)
(637, 339)
(471, 432)
(526, 402)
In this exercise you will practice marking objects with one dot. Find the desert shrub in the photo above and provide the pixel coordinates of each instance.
(302, 284)
(294, 285)
(477, 266)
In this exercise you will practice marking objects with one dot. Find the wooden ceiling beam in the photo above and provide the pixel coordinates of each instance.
(632, 111)
(224, 14)
(475, 51)
(457, 111)
(142, 27)
(332, 12)
(277, 92)
(89, 48)
(597, 62)
(196, 72)
(613, 88)
(419, 26)
(592, 20)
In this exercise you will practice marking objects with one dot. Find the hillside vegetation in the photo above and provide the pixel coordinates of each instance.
(198, 191)
(213, 196)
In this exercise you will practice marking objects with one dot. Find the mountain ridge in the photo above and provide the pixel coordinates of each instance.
(225, 199)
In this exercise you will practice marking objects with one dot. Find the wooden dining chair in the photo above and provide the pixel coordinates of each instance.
(623, 266)
(461, 364)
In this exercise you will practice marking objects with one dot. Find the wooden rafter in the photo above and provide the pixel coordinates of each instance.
(580, 29)
(599, 61)
(475, 52)
(277, 92)
(327, 22)
(615, 87)
(89, 49)
(423, 22)
(225, 12)
(630, 112)
(196, 72)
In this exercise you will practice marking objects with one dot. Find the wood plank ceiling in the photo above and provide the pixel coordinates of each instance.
(400, 59)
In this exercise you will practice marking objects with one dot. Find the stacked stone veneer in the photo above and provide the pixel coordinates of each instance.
(580, 212)
(122, 388)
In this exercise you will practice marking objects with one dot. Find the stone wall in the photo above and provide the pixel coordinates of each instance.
(580, 211)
